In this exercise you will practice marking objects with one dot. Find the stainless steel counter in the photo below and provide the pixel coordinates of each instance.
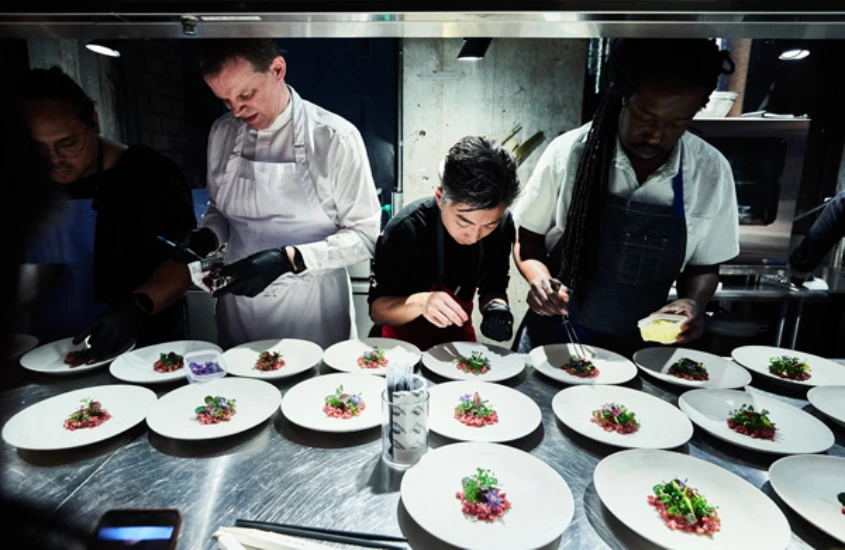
(279, 472)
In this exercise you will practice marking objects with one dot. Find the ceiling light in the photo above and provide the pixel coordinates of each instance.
(474, 49)
(794, 54)
(103, 47)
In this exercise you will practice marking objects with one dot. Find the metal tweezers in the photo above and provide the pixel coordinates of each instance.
(580, 352)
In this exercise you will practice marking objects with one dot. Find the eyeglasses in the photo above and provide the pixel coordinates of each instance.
(68, 150)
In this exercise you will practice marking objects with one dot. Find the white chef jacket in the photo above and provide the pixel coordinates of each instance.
(338, 166)
(710, 203)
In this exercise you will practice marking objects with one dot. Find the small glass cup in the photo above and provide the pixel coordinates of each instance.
(404, 428)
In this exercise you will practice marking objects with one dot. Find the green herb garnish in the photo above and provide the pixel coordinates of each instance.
(751, 419)
(345, 401)
(475, 487)
(476, 364)
(789, 367)
(682, 500)
(473, 405)
(375, 356)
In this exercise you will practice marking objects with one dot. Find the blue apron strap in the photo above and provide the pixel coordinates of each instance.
(678, 188)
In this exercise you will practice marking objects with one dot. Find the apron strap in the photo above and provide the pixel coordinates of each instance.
(441, 262)
(678, 188)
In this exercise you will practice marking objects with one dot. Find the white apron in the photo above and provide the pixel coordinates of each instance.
(269, 205)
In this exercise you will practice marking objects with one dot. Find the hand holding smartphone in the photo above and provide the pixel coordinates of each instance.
(138, 529)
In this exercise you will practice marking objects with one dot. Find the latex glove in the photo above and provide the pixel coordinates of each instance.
(548, 296)
(203, 241)
(498, 321)
(441, 310)
(255, 273)
(115, 329)
(693, 327)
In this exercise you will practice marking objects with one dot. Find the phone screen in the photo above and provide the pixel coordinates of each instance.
(138, 530)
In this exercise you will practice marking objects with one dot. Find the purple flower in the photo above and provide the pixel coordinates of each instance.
(683, 483)
(616, 412)
(356, 399)
(466, 397)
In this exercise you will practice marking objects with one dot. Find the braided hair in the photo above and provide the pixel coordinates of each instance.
(632, 62)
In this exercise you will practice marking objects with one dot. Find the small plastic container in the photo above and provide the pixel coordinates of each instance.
(208, 360)
(662, 328)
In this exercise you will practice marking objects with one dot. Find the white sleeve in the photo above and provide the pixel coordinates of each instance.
(535, 210)
(217, 156)
(721, 242)
(358, 208)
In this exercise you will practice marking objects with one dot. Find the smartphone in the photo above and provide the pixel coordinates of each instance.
(147, 529)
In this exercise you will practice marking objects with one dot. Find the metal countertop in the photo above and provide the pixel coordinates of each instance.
(280, 472)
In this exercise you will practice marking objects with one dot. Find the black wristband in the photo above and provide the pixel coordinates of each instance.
(298, 262)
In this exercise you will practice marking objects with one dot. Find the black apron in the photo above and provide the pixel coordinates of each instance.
(642, 250)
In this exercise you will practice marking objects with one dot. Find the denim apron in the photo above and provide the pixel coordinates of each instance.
(642, 250)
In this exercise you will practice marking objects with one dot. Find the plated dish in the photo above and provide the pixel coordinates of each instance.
(684, 503)
(691, 368)
(481, 411)
(78, 418)
(795, 368)
(273, 359)
(473, 361)
(561, 362)
(157, 364)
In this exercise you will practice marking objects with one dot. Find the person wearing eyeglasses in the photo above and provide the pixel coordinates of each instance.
(618, 209)
(117, 200)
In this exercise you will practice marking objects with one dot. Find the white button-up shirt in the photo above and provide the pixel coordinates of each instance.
(710, 205)
(339, 168)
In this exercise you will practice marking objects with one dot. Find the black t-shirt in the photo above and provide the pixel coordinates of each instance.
(144, 195)
(406, 256)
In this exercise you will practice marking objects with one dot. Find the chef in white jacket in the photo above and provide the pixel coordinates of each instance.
(290, 194)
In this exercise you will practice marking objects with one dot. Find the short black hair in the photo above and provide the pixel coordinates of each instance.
(480, 173)
(54, 84)
(214, 53)
(697, 62)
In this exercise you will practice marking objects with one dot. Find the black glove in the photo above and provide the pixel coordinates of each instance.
(202, 241)
(498, 321)
(254, 273)
(115, 329)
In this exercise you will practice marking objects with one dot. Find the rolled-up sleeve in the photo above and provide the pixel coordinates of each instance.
(536, 208)
(358, 209)
(217, 155)
(720, 243)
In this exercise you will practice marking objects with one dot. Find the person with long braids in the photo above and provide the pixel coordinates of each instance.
(618, 209)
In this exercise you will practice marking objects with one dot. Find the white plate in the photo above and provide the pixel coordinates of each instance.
(299, 356)
(50, 358)
(541, 499)
(40, 426)
(343, 356)
(504, 363)
(749, 519)
(723, 374)
(662, 426)
(795, 431)
(613, 368)
(809, 485)
(823, 372)
(303, 403)
(830, 400)
(518, 414)
(137, 366)
(173, 416)
(18, 345)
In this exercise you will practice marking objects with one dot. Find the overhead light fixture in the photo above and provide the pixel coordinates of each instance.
(103, 47)
(230, 18)
(474, 49)
(794, 54)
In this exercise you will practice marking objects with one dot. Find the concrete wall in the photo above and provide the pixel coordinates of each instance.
(96, 74)
(533, 82)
